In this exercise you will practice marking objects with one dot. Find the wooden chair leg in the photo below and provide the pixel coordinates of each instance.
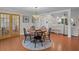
(49, 38)
(44, 38)
(25, 39)
(35, 42)
(30, 38)
(41, 43)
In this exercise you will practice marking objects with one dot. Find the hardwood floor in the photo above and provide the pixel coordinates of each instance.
(60, 43)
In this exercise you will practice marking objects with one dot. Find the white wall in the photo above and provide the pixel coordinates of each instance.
(25, 25)
(47, 20)
(52, 22)
(74, 15)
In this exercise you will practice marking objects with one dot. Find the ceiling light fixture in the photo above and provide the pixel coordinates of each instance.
(36, 7)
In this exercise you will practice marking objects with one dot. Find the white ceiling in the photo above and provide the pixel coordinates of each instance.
(39, 10)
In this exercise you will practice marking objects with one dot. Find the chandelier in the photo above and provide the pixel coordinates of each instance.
(35, 13)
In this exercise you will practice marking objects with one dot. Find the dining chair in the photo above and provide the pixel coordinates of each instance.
(26, 34)
(32, 28)
(43, 28)
(49, 31)
(38, 38)
(47, 34)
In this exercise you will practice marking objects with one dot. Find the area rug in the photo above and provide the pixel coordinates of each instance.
(31, 46)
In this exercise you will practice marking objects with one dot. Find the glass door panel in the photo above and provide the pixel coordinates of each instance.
(15, 23)
(0, 26)
(9, 25)
(4, 24)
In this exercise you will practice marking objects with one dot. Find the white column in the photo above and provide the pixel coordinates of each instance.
(69, 23)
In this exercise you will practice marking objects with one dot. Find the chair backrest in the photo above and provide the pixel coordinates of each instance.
(49, 31)
(24, 31)
(43, 28)
(38, 33)
(32, 27)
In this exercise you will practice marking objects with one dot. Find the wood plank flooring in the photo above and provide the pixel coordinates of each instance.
(60, 43)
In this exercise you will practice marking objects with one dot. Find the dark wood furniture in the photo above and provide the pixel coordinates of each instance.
(39, 36)
(26, 34)
(46, 35)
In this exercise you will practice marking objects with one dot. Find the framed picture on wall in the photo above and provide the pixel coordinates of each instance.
(25, 19)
